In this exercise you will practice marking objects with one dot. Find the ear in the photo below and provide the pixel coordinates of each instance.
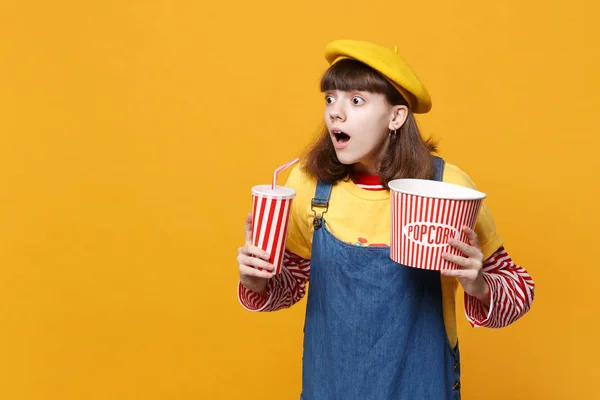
(400, 113)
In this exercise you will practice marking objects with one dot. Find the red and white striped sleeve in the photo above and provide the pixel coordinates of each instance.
(283, 290)
(511, 291)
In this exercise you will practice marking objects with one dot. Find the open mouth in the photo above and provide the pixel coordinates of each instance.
(341, 137)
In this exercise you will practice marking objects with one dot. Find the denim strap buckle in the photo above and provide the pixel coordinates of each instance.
(318, 203)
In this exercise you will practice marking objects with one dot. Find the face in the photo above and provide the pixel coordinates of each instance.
(359, 124)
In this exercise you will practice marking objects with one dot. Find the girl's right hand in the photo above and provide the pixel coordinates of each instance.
(249, 259)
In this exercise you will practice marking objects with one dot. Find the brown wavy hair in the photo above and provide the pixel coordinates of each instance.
(406, 154)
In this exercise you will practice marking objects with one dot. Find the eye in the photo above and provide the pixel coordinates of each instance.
(329, 99)
(357, 101)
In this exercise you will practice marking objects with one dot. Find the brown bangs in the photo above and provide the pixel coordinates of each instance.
(350, 74)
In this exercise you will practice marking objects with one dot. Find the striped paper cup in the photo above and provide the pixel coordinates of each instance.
(270, 217)
(425, 215)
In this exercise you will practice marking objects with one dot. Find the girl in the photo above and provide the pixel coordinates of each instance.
(375, 329)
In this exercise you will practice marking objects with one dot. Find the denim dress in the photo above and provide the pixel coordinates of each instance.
(374, 329)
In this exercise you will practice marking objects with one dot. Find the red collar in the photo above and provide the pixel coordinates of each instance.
(367, 181)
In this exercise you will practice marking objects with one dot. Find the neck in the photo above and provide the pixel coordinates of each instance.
(361, 168)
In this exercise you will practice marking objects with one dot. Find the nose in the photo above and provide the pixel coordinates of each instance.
(336, 112)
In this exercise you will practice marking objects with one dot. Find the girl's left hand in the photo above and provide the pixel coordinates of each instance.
(469, 273)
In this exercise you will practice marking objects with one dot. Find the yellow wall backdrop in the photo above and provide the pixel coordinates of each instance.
(132, 132)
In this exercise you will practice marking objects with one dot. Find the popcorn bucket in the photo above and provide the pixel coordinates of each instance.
(425, 215)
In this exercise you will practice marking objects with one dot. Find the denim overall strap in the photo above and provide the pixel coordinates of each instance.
(374, 329)
(320, 203)
(438, 168)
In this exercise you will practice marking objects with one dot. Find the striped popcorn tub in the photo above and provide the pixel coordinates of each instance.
(425, 215)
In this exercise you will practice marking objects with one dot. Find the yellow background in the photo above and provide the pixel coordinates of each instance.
(132, 132)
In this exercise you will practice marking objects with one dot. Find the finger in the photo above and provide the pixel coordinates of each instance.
(249, 271)
(458, 260)
(248, 228)
(465, 248)
(254, 262)
(250, 250)
(472, 235)
(459, 273)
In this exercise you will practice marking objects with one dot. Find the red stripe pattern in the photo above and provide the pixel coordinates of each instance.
(422, 226)
(512, 291)
(270, 219)
(511, 288)
(283, 290)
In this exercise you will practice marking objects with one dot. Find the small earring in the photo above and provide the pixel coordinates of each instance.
(392, 133)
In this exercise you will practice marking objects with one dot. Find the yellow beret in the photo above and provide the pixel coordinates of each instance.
(389, 64)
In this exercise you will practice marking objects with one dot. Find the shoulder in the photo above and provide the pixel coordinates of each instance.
(304, 185)
(453, 174)
(299, 179)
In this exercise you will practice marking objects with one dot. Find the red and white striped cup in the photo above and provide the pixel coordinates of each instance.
(425, 215)
(270, 217)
